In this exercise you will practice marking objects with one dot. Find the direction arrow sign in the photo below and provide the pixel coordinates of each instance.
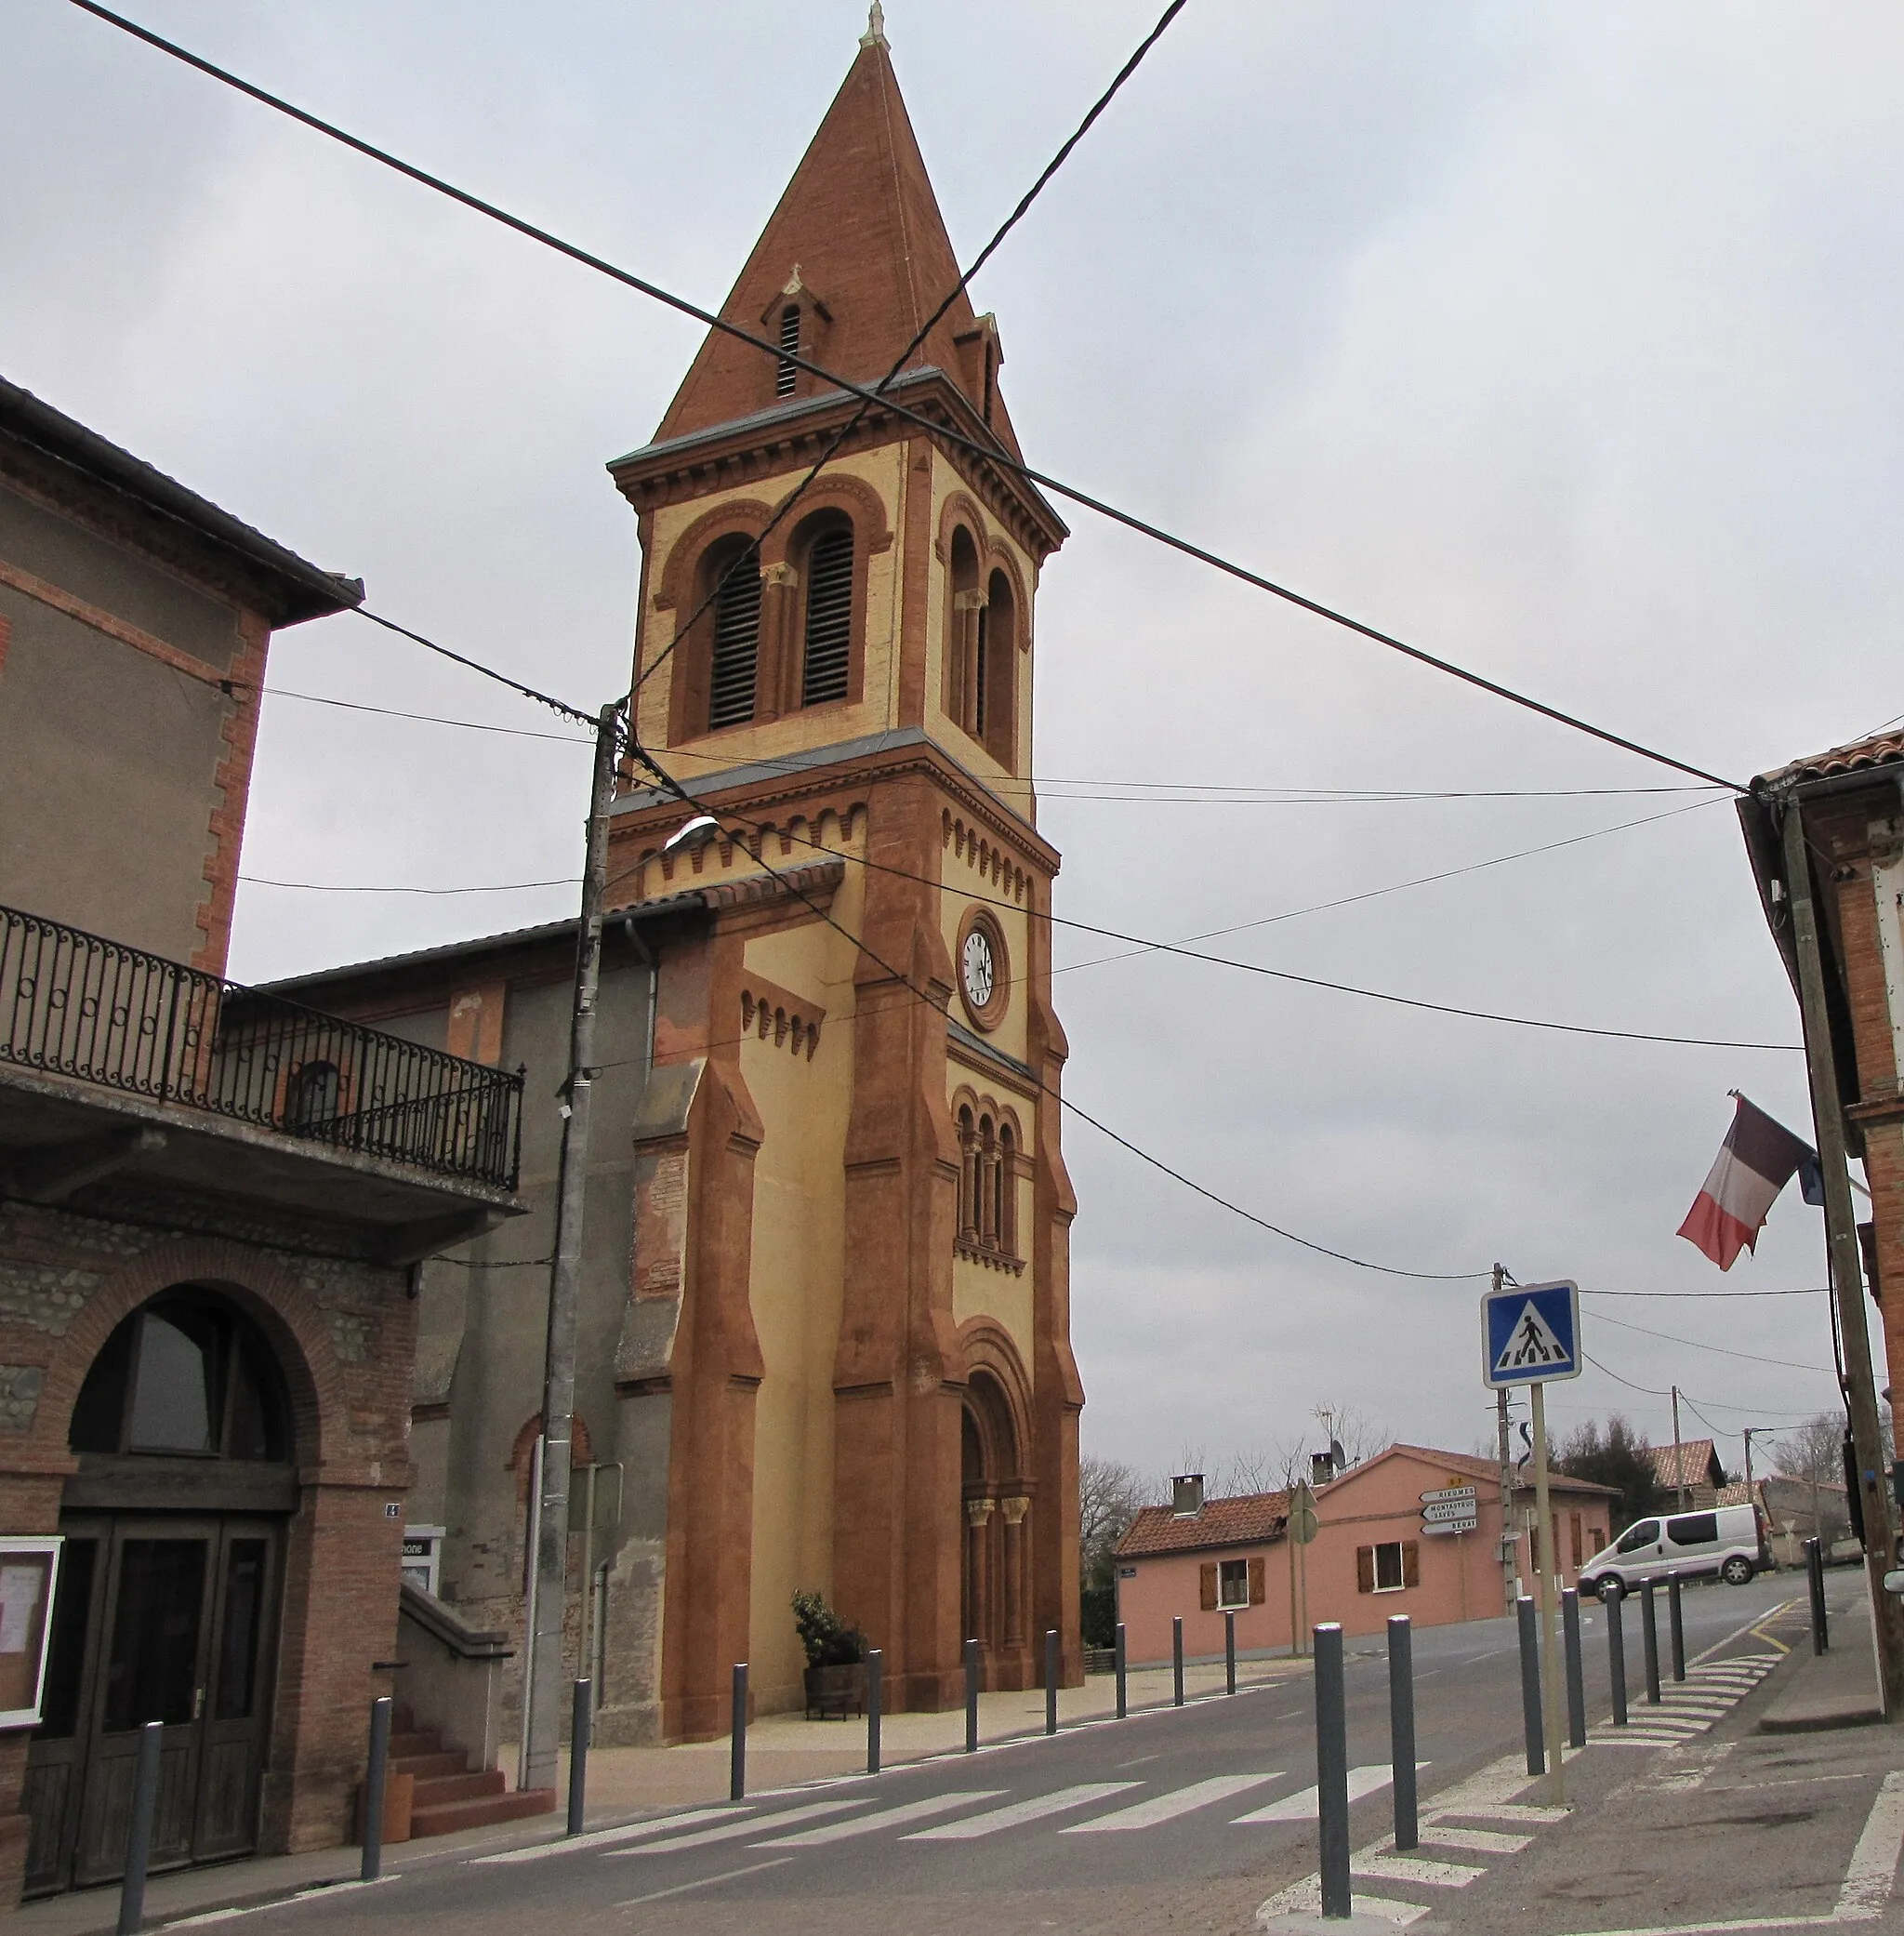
(1442, 1525)
(1530, 1334)
(1448, 1509)
(1450, 1492)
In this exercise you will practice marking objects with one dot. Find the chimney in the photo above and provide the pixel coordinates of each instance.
(1321, 1469)
(1186, 1495)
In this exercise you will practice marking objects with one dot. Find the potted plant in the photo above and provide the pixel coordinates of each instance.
(835, 1677)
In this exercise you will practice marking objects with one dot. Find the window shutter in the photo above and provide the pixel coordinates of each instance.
(1365, 1568)
(1207, 1581)
(1411, 1562)
(737, 644)
(1259, 1590)
(829, 619)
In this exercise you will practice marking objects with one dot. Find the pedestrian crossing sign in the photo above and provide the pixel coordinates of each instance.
(1530, 1334)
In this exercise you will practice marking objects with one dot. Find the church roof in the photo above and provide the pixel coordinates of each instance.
(859, 229)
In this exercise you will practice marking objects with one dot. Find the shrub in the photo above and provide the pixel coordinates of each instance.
(829, 1643)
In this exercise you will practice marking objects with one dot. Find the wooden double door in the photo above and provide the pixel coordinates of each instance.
(156, 1617)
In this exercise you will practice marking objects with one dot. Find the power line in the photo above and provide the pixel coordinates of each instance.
(428, 719)
(515, 685)
(1710, 1297)
(991, 454)
(1712, 1404)
(346, 887)
(1723, 1351)
(752, 548)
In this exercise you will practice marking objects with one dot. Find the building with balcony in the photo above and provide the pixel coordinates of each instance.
(213, 1203)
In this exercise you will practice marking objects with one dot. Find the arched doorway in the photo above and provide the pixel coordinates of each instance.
(167, 1597)
(995, 1573)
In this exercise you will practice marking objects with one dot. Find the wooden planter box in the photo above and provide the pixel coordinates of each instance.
(835, 1692)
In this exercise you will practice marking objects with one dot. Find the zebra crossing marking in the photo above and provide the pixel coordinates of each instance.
(732, 1831)
(1486, 1841)
(883, 1818)
(1300, 1805)
(1015, 1814)
(1169, 1806)
(1414, 1868)
(1304, 1898)
(601, 1837)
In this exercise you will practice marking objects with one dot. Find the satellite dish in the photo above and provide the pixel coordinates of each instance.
(1337, 1456)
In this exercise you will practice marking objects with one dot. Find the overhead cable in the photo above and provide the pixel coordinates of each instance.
(988, 452)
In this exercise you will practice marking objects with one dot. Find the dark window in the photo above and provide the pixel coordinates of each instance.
(151, 1670)
(1388, 1567)
(981, 672)
(244, 1584)
(787, 373)
(185, 1374)
(1233, 1584)
(1634, 1537)
(1694, 1530)
(736, 644)
(315, 1092)
(830, 617)
(73, 1601)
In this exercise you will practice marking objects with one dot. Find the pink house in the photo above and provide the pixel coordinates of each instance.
(1374, 1554)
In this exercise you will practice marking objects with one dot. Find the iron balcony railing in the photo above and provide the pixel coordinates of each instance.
(77, 1005)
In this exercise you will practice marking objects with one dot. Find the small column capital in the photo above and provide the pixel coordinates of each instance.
(1016, 1510)
(977, 1511)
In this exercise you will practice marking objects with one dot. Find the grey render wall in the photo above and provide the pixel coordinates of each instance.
(98, 739)
(483, 1330)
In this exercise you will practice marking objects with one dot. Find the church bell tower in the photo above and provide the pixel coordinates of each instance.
(864, 1383)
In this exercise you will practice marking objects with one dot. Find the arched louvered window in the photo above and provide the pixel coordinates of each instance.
(998, 670)
(828, 618)
(1008, 1193)
(736, 642)
(784, 376)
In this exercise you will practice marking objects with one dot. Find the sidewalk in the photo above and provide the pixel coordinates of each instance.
(783, 1750)
(1836, 1689)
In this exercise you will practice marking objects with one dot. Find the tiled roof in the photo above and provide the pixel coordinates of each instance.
(1880, 749)
(1694, 1466)
(1244, 1521)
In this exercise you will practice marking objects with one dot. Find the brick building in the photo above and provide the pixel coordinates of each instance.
(211, 1201)
(825, 1310)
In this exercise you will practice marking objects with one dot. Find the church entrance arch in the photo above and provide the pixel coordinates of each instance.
(167, 1597)
(996, 1574)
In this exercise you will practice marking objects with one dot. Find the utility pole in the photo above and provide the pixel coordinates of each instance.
(542, 1723)
(1847, 1277)
(1678, 1456)
(1509, 1541)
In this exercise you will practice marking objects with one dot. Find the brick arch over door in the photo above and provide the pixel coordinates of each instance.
(280, 1305)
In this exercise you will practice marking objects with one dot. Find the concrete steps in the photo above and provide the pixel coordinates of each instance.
(449, 1795)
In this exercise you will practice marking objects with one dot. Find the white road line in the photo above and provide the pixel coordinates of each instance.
(332, 1890)
(1166, 1808)
(1413, 1868)
(733, 1831)
(1305, 1899)
(1300, 1805)
(680, 1889)
(1874, 1861)
(1484, 1841)
(1503, 1812)
(971, 1827)
(1683, 1769)
(1706, 1653)
(885, 1818)
(603, 1838)
(1497, 1782)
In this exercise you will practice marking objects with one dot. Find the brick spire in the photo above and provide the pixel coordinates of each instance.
(858, 233)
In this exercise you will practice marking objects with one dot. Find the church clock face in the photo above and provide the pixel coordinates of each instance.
(984, 980)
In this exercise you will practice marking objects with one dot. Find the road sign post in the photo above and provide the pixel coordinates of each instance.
(1530, 1334)
(1302, 1530)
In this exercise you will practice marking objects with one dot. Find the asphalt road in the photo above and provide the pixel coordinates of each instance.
(1180, 1818)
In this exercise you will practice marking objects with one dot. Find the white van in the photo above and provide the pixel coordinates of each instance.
(1725, 1541)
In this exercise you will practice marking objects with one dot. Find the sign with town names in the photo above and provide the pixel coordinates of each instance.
(1446, 1510)
(1450, 1492)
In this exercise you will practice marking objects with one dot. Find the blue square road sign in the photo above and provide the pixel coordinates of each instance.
(1530, 1334)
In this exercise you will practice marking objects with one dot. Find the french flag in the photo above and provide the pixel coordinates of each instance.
(1755, 1163)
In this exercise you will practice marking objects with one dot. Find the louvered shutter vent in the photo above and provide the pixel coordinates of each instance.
(829, 619)
(790, 345)
(737, 646)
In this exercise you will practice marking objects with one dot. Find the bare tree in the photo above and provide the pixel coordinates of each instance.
(1813, 1452)
(1109, 1494)
(1359, 1435)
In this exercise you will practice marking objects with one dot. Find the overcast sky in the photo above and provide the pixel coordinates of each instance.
(1561, 340)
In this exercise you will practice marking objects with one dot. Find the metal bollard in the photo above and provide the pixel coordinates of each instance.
(972, 1697)
(1401, 1728)
(374, 1781)
(1122, 1688)
(1814, 1573)
(876, 1677)
(1650, 1634)
(1177, 1656)
(1612, 1596)
(1575, 1680)
(1051, 1680)
(1229, 1653)
(1332, 1771)
(737, 1751)
(139, 1831)
(1675, 1627)
(1530, 1687)
(580, 1716)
